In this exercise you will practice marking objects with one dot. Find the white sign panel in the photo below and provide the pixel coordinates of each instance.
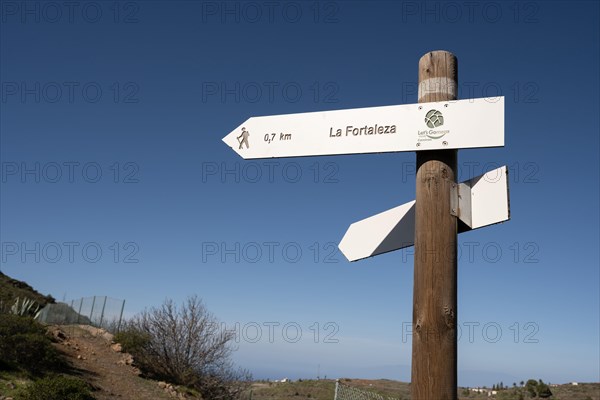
(390, 230)
(487, 203)
(489, 198)
(456, 124)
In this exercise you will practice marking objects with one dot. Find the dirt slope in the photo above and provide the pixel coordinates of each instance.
(91, 352)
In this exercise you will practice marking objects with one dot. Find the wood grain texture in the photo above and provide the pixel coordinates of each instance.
(434, 347)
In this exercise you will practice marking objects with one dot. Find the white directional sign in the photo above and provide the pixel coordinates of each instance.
(458, 124)
(480, 202)
(390, 230)
(489, 199)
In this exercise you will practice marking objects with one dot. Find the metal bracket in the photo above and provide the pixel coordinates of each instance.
(460, 202)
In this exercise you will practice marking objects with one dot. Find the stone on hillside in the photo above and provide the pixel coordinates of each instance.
(117, 347)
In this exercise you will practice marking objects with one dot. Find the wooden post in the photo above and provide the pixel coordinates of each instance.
(434, 347)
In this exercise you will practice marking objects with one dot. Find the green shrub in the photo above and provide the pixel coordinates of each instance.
(56, 387)
(538, 389)
(11, 324)
(543, 390)
(132, 341)
(25, 346)
(531, 387)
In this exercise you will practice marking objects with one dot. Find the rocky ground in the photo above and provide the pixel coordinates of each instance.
(101, 362)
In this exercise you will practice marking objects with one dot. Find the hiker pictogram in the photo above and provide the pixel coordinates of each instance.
(244, 136)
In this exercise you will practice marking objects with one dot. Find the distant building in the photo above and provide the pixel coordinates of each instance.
(484, 390)
(574, 383)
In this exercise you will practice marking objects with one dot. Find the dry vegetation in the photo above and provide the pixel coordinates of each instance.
(324, 390)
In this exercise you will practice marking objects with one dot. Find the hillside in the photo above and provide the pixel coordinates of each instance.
(10, 289)
(89, 354)
(325, 389)
(110, 372)
(92, 357)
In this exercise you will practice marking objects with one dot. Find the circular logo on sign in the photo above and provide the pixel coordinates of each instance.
(434, 118)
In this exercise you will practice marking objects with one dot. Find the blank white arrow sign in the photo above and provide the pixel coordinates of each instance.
(387, 231)
(483, 201)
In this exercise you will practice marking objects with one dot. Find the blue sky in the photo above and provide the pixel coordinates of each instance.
(111, 120)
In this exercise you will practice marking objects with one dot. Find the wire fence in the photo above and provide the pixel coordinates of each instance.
(99, 311)
(343, 392)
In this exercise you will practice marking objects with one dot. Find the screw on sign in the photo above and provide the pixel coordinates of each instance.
(478, 202)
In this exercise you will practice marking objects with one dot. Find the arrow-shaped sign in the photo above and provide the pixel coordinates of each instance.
(390, 230)
(412, 127)
(481, 201)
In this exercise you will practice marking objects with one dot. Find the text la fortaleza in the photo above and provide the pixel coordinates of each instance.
(363, 130)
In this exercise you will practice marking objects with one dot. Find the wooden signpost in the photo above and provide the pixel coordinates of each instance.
(435, 128)
(434, 340)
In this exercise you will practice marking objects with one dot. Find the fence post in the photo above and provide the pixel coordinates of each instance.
(337, 383)
(92, 310)
(121, 316)
(102, 313)
(79, 312)
(65, 320)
